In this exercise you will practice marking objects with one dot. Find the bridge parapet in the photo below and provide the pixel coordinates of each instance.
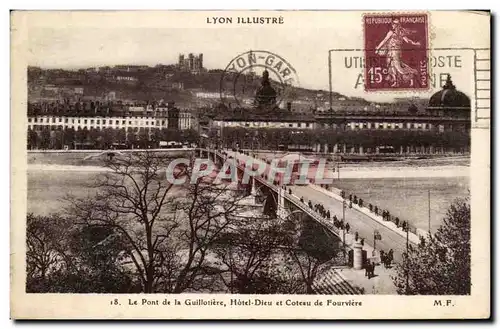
(292, 199)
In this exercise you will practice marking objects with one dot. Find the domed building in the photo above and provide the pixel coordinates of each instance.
(453, 106)
(448, 110)
(265, 114)
(266, 95)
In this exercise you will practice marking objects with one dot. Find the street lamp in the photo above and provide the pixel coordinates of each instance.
(222, 135)
(429, 209)
(343, 223)
(376, 236)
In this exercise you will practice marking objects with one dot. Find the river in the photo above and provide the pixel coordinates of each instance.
(405, 197)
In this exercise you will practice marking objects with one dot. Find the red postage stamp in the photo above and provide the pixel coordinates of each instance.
(396, 52)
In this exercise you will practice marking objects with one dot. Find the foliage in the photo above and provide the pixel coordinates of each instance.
(441, 265)
(249, 253)
(308, 248)
(44, 138)
(66, 258)
(139, 233)
(166, 229)
(271, 138)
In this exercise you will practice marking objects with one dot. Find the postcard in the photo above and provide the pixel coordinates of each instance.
(250, 164)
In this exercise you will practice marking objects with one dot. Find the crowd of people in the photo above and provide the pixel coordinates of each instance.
(386, 258)
(325, 213)
(385, 214)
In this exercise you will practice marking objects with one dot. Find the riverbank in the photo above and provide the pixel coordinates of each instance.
(37, 167)
(400, 172)
(410, 198)
(90, 157)
(346, 172)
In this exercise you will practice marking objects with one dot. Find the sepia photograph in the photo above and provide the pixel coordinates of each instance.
(251, 161)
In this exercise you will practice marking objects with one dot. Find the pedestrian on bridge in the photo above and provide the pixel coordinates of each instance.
(369, 269)
(390, 257)
(372, 270)
(347, 227)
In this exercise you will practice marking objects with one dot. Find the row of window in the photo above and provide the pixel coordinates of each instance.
(353, 125)
(368, 125)
(268, 124)
(101, 121)
(149, 130)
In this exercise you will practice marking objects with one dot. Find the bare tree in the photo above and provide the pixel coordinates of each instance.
(62, 257)
(133, 200)
(209, 210)
(167, 229)
(308, 248)
(248, 250)
(44, 241)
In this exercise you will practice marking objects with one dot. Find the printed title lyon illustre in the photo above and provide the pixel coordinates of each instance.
(258, 20)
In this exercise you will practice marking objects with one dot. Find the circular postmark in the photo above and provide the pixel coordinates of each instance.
(259, 79)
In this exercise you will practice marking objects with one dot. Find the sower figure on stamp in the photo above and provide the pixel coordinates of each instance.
(391, 47)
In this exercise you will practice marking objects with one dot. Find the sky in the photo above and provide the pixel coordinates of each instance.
(305, 46)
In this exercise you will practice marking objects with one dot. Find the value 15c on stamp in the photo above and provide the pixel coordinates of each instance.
(396, 52)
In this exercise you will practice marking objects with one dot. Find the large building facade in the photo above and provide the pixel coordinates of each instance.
(447, 115)
(86, 126)
(447, 110)
(180, 120)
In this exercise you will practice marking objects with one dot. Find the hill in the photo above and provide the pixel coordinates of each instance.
(145, 83)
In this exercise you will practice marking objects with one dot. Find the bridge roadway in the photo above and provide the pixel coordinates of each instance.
(294, 199)
(364, 225)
